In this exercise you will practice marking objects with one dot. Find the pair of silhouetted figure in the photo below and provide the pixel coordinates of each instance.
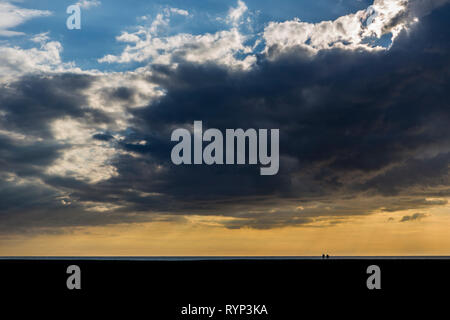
(325, 256)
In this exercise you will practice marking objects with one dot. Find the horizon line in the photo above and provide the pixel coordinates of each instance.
(204, 258)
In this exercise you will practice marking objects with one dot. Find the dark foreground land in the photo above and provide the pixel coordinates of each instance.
(287, 288)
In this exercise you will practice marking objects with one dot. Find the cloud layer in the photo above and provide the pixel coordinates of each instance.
(11, 16)
(364, 127)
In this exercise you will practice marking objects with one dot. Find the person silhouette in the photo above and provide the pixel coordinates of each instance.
(323, 255)
(328, 257)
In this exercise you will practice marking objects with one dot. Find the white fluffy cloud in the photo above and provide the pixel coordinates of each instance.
(16, 61)
(87, 4)
(11, 16)
(235, 14)
(45, 57)
(351, 31)
(221, 47)
(181, 12)
(86, 159)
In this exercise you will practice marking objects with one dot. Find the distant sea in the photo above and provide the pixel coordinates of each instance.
(222, 258)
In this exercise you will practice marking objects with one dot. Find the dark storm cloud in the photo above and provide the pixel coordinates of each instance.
(103, 137)
(123, 93)
(414, 217)
(26, 158)
(360, 132)
(412, 173)
(343, 116)
(27, 148)
(32, 103)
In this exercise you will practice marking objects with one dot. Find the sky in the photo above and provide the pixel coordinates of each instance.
(359, 90)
